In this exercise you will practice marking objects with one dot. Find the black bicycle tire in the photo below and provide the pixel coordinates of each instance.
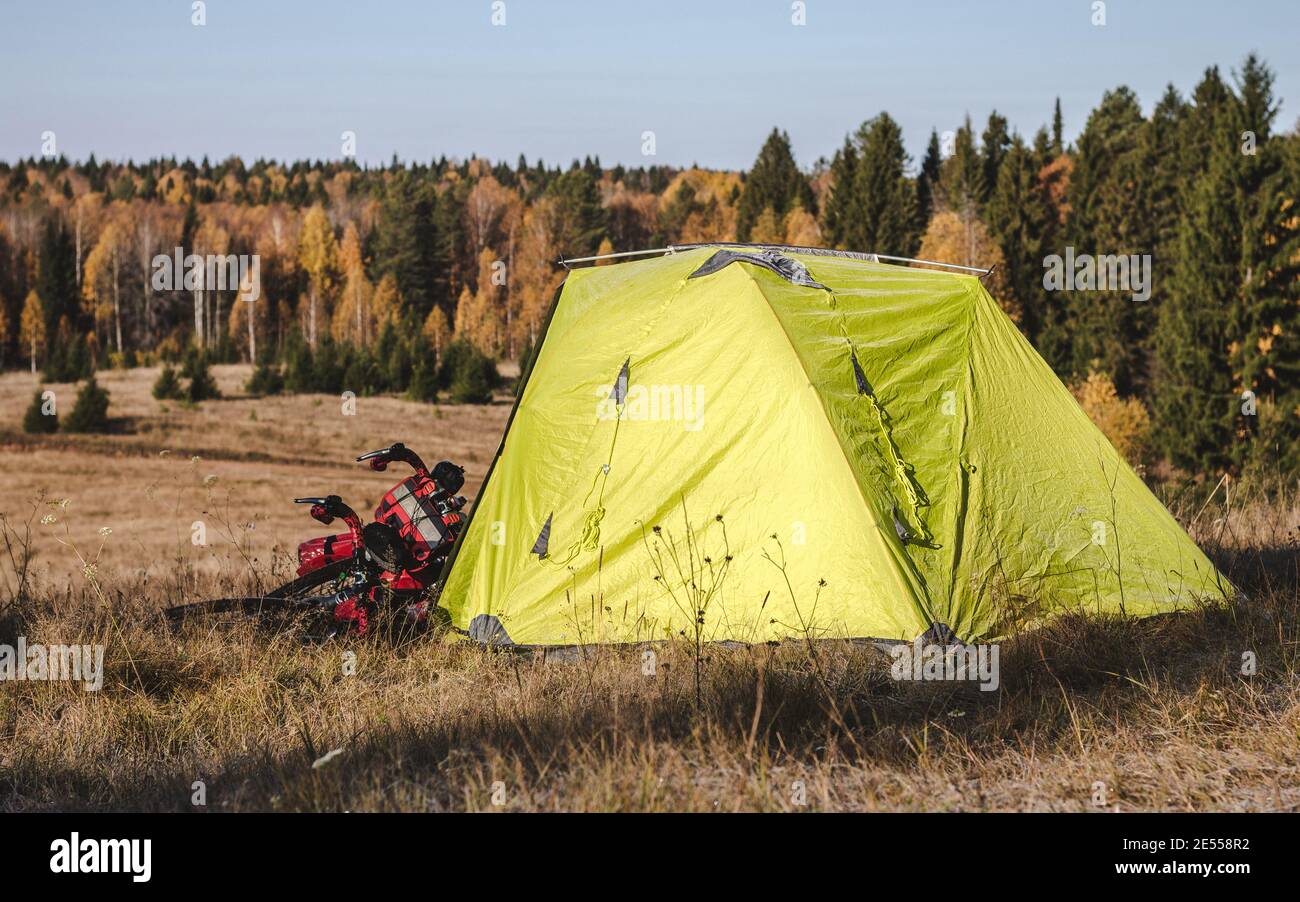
(276, 599)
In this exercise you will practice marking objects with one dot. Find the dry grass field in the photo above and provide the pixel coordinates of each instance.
(1092, 714)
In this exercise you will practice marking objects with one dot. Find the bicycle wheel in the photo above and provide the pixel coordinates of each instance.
(287, 598)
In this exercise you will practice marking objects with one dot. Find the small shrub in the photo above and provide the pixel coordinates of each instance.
(168, 387)
(467, 373)
(90, 413)
(202, 386)
(1124, 421)
(473, 378)
(36, 420)
(266, 380)
(298, 374)
(424, 382)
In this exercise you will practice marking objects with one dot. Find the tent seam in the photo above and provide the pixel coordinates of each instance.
(918, 599)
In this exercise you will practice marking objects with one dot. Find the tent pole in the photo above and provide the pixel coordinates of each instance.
(672, 248)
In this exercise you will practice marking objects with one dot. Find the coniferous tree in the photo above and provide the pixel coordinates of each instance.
(961, 177)
(1265, 355)
(406, 242)
(1058, 146)
(927, 181)
(167, 387)
(773, 183)
(581, 220)
(1195, 403)
(196, 367)
(36, 420)
(1110, 216)
(90, 413)
(1018, 219)
(875, 208)
(842, 212)
(995, 142)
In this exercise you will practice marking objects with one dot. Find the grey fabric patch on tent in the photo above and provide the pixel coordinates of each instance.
(900, 527)
(619, 394)
(864, 387)
(543, 538)
(486, 628)
(787, 268)
(939, 634)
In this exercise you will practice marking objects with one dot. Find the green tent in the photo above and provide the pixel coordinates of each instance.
(772, 443)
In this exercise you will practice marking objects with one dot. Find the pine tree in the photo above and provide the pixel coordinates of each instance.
(927, 181)
(580, 218)
(90, 413)
(1266, 352)
(36, 420)
(961, 177)
(774, 182)
(167, 387)
(1018, 218)
(996, 141)
(842, 214)
(1058, 147)
(873, 203)
(202, 386)
(1109, 215)
(1195, 403)
(406, 245)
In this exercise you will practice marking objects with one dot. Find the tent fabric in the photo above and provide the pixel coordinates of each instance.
(879, 457)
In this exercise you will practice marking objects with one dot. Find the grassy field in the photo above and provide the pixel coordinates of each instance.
(1091, 715)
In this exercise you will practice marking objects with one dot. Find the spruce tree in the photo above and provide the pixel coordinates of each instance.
(1110, 215)
(1058, 146)
(1195, 403)
(36, 420)
(873, 203)
(995, 142)
(927, 181)
(961, 177)
(774, 182)
(581, 219)
(167, 387)
(90, 413)
(1266, 356)
(196, 368)
(842, 214)
(1018, 219)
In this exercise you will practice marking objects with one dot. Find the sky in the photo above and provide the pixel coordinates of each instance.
(562, 79)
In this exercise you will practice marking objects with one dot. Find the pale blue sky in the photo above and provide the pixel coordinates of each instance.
(566, 79)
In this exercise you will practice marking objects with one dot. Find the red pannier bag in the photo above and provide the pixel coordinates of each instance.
(409, 507)
(316, 553)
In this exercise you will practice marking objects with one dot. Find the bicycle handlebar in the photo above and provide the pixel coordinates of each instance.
(381, 458)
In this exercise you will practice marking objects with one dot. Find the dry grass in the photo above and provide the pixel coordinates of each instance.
(1157, 710)
(263, 451)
